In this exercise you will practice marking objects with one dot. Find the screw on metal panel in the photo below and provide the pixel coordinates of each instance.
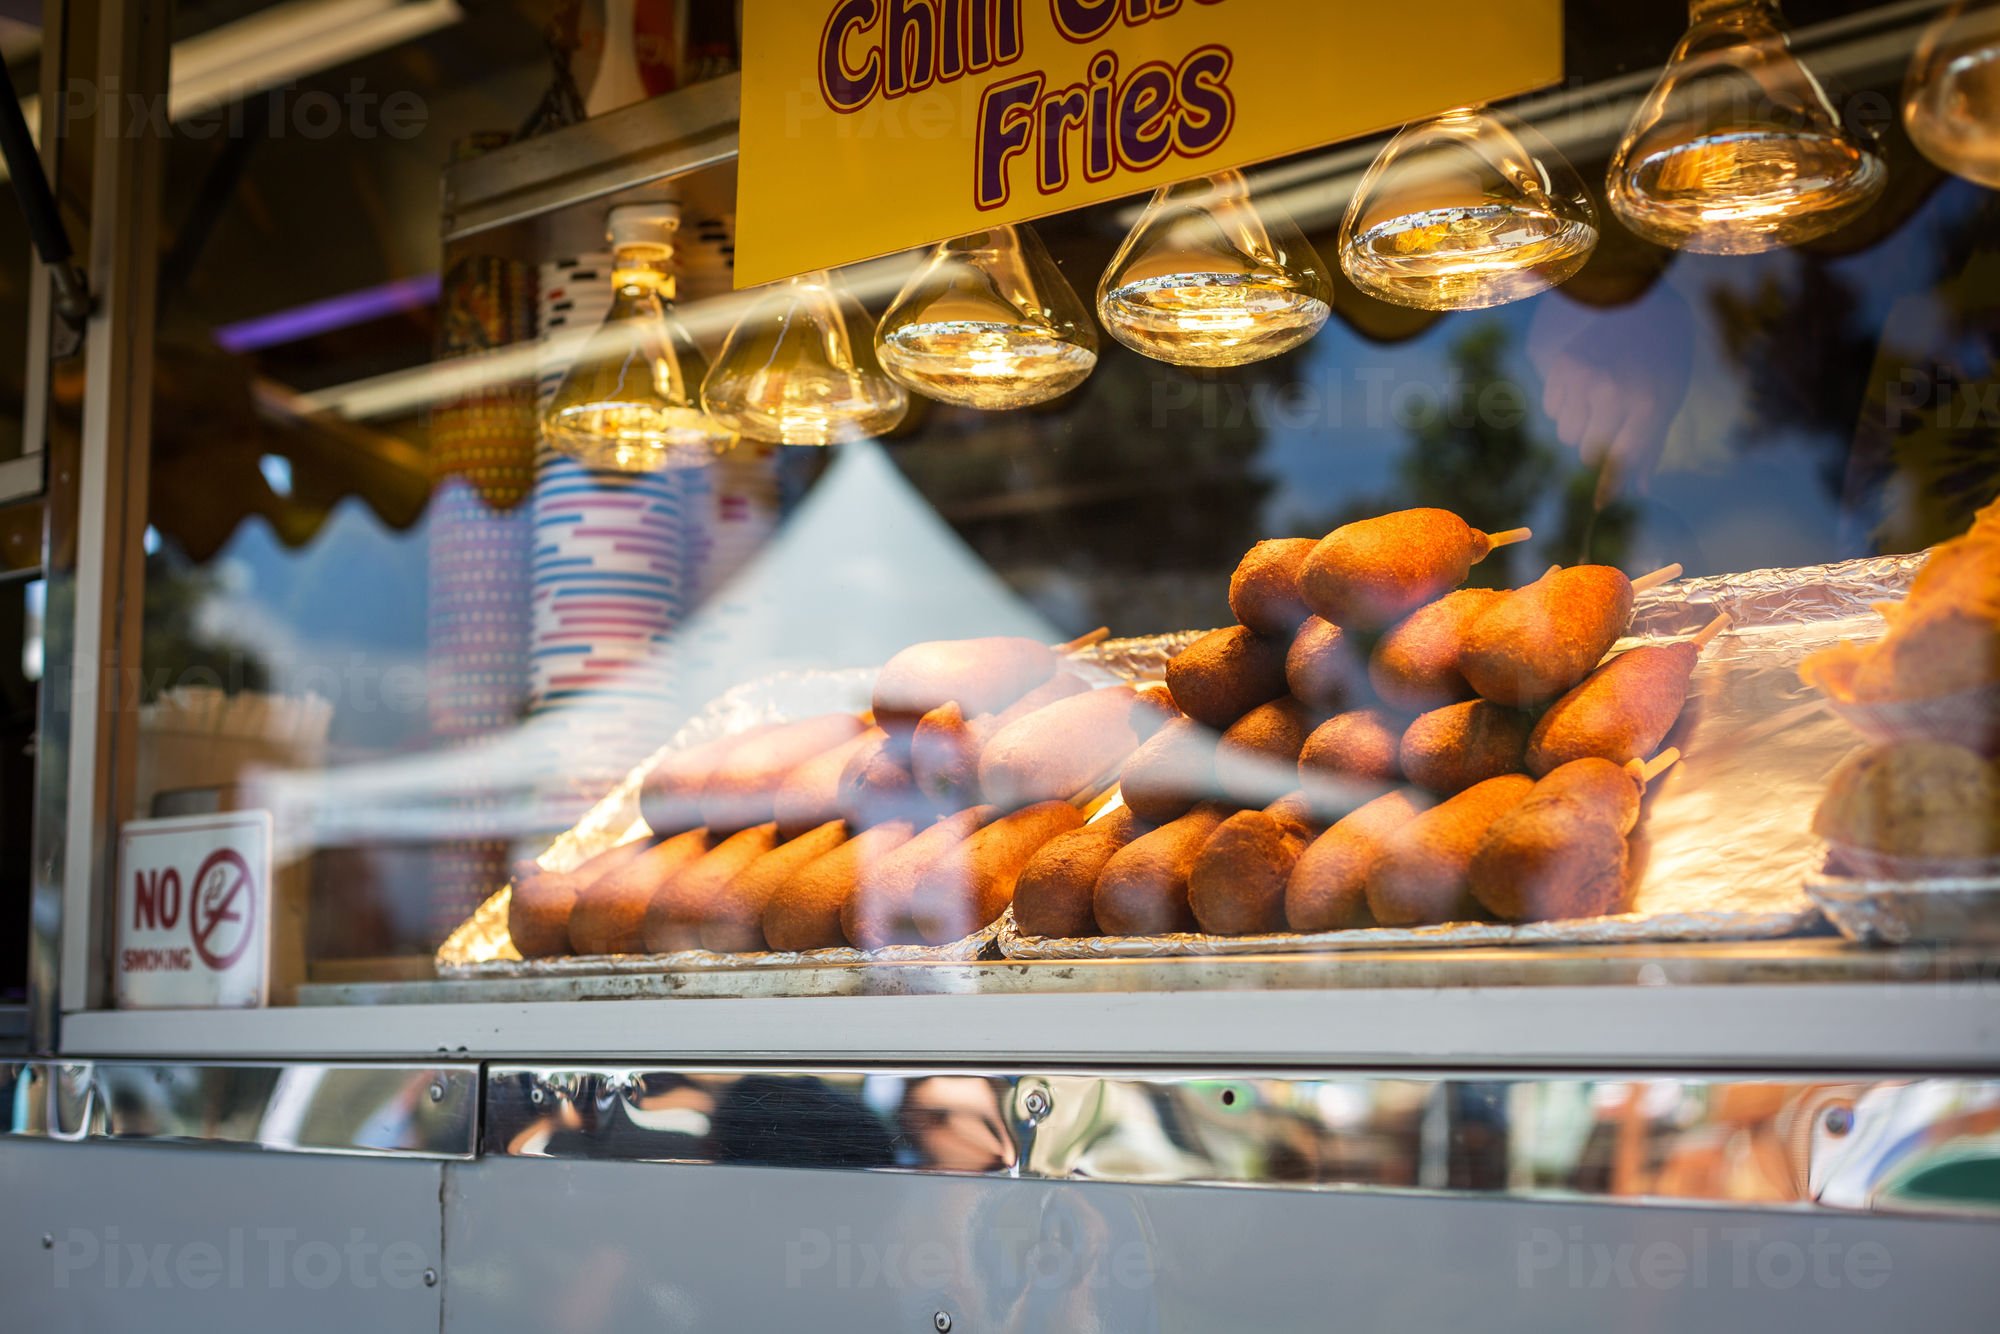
(1037, 1103)
(941, 1322)
(535, 1094)
(1839, 1120)
(430, 1278)
(48, 1241)
(437, 1092)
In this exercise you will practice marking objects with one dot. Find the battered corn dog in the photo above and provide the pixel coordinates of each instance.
(1264, 591)
(1322, 670)
(1361, 744)
(1225, 674)
(879, 911)
(670, 793)
(1173, 770)
(681, 906)
(1237, 885)
(1624, 709)
(1366, 575)
(1539, 640)
(1561, 852)
(979, 675)
(944, 752)
(1328, 888)
(1053, 896)
(973, 883)
(735, 920)
(539, 907)
(1420, 877)
(610, 912)
(1257, 759)
(1143, 890)
(805, 913)
(1058, 752)
(810, 794)
(743, 787)
(876, 785)
(1448, 750)
(1415, 665)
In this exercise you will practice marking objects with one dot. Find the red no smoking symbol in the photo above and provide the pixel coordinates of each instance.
(223, 912)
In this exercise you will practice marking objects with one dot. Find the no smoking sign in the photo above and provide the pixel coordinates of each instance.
(194, 911)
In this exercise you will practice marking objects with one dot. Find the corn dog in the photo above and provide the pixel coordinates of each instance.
(742, 789)
(1143, 890)
(879, 912)
(1448, 750)
(1420, 876)
(1053, 897)
(1366, 575)
(1264, 591)
(539, 907)
(735, 920)
(1328, 888)
(680, 906)
(805, 912)
(1225, 674)
(973, 882)
(610, 912)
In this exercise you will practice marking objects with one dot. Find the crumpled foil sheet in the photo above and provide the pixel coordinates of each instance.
(1724, 843)
(1956, 910)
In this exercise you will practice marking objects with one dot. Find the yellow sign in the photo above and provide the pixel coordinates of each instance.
(870, 126)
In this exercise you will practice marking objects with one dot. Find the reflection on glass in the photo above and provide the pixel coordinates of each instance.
(1207, 279)
(988, 322)
(799, 369)
(1951, 101)
(1468, 210)
(631, 399)
(1737, 149)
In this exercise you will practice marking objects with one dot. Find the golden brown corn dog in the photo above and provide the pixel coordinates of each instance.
(610, 912)
(1624, 709)
(1537, 641)
(980, 675)
(944, 752)
(1066, 748)
(735, 920)
(1366, 575)
(679, 907)
(538, 909)
(1420, 877)
(1257, 759)
(1237, 884)
(1053, 896)
(1561, 852)
(973, 882)
(1361, 744)
(1225, 674)
(1328, 888)
(1322, 670)
(1415, 665)
(742, 790)
(810, 794)
(876, 785)
(670, 793)
(1448, 750)
(878, 913)
(1173, 770)
(1143, 890)
(805, 913)
(1264, 591)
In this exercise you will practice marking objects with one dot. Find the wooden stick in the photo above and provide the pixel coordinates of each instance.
(1659, 764)
(1665, 574)
(1711, 630)
(1097, 636)
(1494, 541)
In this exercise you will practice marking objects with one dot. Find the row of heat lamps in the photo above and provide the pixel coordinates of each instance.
(1736, 149)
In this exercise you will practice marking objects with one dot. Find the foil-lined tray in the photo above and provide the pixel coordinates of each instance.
(1953, 910)
(1724, 844)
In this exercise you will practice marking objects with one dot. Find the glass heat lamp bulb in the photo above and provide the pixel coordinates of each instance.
(988, 322)
(1205, 278)
(631, 399)
(799, 368)
(1738, 149)
(1468, 210)
(1951, 99)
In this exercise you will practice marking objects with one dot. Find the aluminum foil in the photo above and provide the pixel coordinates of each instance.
(1959, 910)
(1724, 842)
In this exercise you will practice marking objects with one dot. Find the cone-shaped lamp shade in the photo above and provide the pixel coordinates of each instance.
(799, 369)
(1737, 149)
(1208, 278)
(1467, 210)
(1951, 101)
(988, 322)
(631, 399)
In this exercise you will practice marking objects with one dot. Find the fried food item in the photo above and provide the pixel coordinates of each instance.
(805, 912)
(1225, 674)
(1322, 670)
(973, 882)
(879, 913)
(1415, 665)
(735, 919)
(670, 793)
(1370, 574)
(1361, 744)
(876, 785)
(1264, 591)
(1257, 759)
(1620, 712)
(1420, 876)
(1143, 890)
(1930, 653)
(1561, 852)
(743, 787)
(539, 907)
(610, 912)
(979, 675)
(1053, 896)
(1537, 641)
(1237, 885)
(1328, 888)
(1173, 770)
(810, 795)
(682, 906)
(1448, 750)
(1924, 800)
(1061, 751)
(944, 752)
